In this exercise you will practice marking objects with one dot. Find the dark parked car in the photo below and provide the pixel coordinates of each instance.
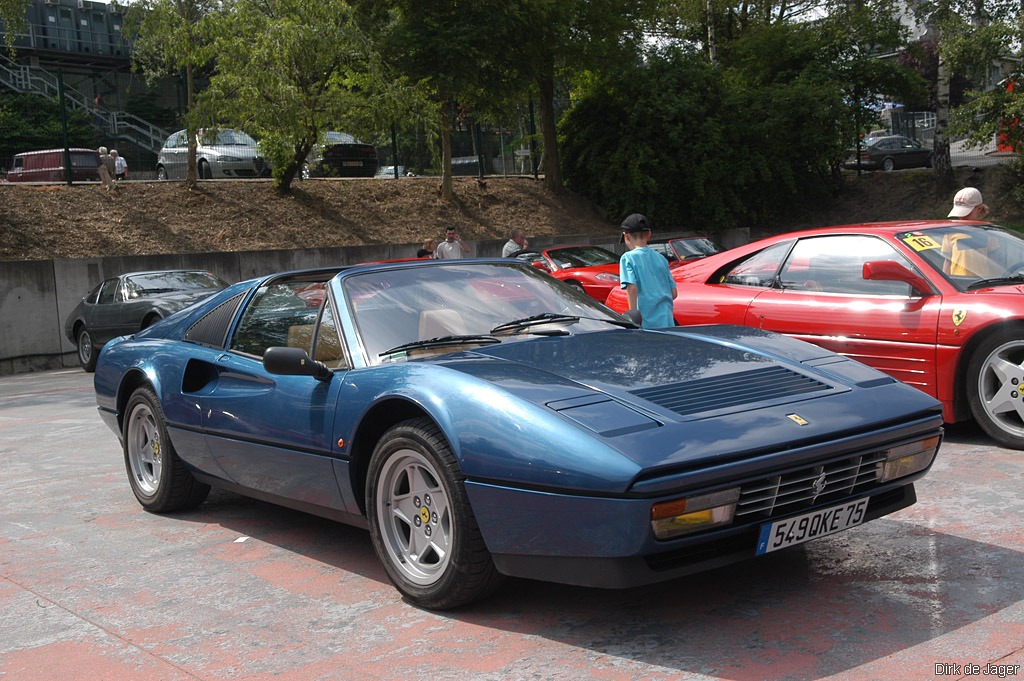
(685, 248)
(49, 165)
(126, 304)
(341, 155)
(482, 419)
(890, 153)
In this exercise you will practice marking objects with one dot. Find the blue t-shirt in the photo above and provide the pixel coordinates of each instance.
(650, 272)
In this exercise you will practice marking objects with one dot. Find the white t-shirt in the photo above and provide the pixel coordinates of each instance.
(449, 250)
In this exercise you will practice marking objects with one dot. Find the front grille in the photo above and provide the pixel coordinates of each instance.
(730, 391)
(803, 488)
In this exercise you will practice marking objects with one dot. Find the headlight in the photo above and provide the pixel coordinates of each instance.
(229, 159)
(909, 458)
(606, 277)
(693, 514)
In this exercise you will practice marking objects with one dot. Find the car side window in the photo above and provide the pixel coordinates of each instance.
(759, 269)
(329, 349)
(281, 313)
(835, 264)
(108, 289)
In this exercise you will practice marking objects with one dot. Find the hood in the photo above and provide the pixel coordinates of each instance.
(697, 394)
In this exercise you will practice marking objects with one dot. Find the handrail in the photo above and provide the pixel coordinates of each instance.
(24, 78)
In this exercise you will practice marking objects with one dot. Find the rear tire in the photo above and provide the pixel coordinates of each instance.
(159, 479)
(995, 388)
(87, 350)
(421, 522)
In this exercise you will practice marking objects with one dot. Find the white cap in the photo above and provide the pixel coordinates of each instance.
(966, 200)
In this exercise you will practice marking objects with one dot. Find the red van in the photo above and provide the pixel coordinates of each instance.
(48, 166)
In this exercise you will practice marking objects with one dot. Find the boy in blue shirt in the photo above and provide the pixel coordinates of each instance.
(645, 275)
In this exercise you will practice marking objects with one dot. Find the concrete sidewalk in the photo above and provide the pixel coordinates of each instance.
(92, 588)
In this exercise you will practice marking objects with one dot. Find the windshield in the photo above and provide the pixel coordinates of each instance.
(582, 256)
(966, 254)
(395, 307)
(339, 138)
(228, 137)
(695, 248)
(168, 282)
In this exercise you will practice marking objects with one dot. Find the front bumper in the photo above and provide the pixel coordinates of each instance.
(649, 562)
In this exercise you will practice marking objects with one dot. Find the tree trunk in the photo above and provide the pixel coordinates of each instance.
(944, 180)
(447, 193)
(712, 47)
(190, 86)
(552, 166)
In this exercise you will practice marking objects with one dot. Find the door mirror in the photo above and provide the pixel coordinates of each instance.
(888, 270)
(294, 362)
(541, 265)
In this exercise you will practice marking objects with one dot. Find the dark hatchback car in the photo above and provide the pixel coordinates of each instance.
(890, 153)
(131, 302)
(685, 248)
(341, 155)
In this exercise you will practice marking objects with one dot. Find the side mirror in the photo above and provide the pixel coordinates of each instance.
(541, 265)
(294, 362)
(888, 270)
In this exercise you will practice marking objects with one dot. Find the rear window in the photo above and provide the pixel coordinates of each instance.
(83, 160)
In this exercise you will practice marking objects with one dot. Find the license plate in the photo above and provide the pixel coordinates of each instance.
(352, 163)
(820, 523)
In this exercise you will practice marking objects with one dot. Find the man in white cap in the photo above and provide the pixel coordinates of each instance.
(967, 205)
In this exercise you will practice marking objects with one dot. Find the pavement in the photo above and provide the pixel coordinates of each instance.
(92, 588)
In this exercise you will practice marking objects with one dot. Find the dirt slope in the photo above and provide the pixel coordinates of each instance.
(43, 222)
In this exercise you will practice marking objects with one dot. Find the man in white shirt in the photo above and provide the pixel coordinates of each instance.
(452, 246)
(518, 242)
(120, 165)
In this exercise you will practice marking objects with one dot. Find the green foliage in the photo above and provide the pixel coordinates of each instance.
(304, 68)
(31, 122)
(687, 142)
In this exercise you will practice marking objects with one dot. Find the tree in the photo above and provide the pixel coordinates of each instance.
(304, 69)
(452, 48)
(563, 38)
(29, 122)
(171, 35)
(970, 35)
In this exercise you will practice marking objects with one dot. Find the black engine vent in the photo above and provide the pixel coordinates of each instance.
(732, 390)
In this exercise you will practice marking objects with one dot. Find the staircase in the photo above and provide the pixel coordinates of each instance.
(35, 80)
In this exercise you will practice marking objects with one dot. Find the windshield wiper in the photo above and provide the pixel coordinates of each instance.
(996, 281)
(542, 318)
(441, 341)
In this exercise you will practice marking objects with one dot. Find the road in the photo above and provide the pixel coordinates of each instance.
(94, 589)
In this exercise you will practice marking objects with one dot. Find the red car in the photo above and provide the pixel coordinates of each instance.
(684, 249)
(590, 269)
(938, 305)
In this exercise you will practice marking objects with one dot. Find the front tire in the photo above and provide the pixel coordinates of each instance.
(888, 165)
(995, 388)
(157, 476)
(204, 171)
(87, 350)
(421, 523)
(161, 173)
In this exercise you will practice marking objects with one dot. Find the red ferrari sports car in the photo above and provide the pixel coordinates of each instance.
(590, 269)
(938, 305)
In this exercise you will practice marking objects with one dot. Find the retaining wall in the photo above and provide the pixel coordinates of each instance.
(37, 296)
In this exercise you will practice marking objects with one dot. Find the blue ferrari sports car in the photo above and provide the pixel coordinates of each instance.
(484, 420)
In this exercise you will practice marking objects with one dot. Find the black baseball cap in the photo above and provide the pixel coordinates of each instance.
(633, 224)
